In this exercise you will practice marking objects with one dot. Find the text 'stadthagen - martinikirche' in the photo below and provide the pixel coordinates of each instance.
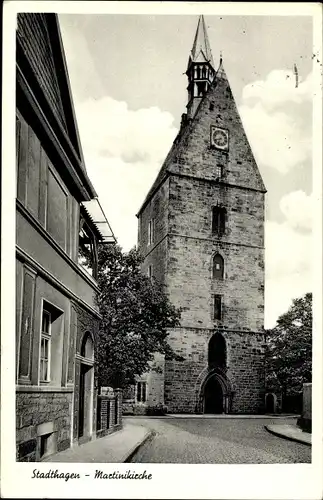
(201, 231)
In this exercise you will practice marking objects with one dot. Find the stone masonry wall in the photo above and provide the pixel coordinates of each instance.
(192, 287)
(155, 254)
(34, 409)
(246, 371)
(155, 381)
(184, 379)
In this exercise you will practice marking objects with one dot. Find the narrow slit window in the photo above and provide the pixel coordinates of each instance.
(151, 231)
(217, 310)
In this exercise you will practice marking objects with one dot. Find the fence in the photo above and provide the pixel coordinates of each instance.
(109, 412)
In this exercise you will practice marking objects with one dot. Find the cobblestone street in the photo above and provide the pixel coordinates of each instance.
(215, 440)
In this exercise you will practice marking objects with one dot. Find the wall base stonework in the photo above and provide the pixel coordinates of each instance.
(42, 415)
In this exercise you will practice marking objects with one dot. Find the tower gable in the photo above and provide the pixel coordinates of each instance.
(199, 156)
(193, 154)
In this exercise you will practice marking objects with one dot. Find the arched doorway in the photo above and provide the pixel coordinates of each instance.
(213, 396)
(85, 420)
(270, 403)
(213, 389)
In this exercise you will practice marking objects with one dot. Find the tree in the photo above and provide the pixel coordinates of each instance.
(289, 348)
(136, 315)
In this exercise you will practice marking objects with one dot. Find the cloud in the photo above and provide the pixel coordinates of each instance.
(288, 255)
(133, 136)
(278, 140)
(277, 119)
(123, 152)
(288, 267)
(280, 134)
(297, 207)
(279, 88)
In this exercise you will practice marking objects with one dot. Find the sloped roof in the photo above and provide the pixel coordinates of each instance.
(41, 59)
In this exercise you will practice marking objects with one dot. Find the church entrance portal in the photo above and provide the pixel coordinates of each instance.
(213, 396)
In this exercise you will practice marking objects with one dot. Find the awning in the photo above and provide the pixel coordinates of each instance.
(97, 216)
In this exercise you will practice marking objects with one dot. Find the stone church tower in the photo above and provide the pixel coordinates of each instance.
(201, 230)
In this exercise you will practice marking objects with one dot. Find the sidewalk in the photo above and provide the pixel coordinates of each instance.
(290, 432)
(115, 448)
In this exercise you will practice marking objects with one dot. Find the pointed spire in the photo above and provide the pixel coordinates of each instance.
(201, 50)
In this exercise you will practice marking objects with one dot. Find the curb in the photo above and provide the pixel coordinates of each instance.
(149, 435)
(210, 417)
(288, 438)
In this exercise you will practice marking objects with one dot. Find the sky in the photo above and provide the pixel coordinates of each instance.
(129, 91)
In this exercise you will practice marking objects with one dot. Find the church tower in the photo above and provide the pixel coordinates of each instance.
(201, 231)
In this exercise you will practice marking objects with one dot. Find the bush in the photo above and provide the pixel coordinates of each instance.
(157, 410)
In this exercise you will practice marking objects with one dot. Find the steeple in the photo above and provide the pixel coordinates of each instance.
(200, 68)
(201, 50)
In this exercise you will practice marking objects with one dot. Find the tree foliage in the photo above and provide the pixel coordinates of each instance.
(136, 315)
(289, 348)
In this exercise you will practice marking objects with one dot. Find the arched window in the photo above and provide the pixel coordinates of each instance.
(87, 347)
(217, 351)
(218, 267)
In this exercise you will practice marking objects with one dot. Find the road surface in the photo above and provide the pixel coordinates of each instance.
(217, 440)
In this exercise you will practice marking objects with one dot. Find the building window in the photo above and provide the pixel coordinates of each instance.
(217, 308)
(218, 171)
(151, 231)
(45, 340)
(218, 220)
(87, 252)
(141, 392)
(218, 267)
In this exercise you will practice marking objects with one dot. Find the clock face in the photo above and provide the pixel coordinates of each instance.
(219, 138)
